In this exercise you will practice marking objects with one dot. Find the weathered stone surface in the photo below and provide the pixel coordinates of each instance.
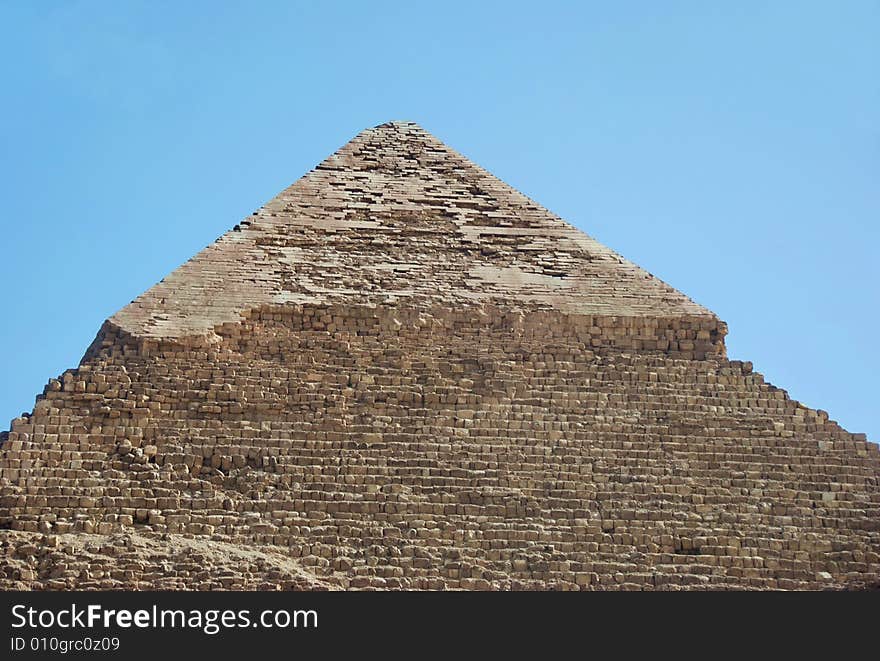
(396, 217)
(402, 374)
(146, 561)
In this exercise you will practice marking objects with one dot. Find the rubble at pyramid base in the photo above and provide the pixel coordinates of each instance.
(411, 447)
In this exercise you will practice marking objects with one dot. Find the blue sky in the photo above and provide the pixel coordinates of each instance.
(732, 149)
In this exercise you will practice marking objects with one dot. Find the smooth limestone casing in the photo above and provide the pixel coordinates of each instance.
(404, 374)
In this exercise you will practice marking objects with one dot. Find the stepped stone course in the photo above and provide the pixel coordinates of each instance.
(400, 373)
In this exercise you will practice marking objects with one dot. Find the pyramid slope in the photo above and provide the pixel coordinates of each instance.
(388, 456)
(396, 215)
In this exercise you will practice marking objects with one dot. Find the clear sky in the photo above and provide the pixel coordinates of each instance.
(732, 149)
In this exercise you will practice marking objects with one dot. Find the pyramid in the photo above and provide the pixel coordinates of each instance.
(401, 373)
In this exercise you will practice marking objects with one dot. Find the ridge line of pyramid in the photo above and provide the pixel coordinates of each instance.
(523, 198)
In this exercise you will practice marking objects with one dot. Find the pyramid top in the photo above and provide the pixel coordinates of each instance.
(395, 216)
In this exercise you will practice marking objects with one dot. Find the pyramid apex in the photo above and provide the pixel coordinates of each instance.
(398, 123)
(397, 217)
